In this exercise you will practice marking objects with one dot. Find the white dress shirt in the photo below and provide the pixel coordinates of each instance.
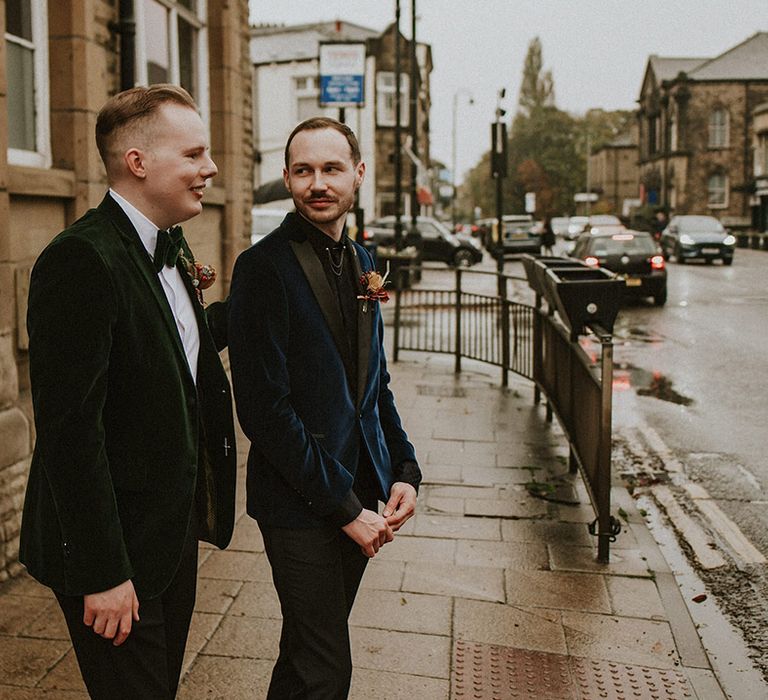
(173, 285)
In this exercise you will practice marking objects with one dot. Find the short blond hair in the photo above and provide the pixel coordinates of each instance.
(129, 109)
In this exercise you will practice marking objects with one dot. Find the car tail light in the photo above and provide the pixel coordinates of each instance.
(367, 235)
(657, 262)
(592, 261)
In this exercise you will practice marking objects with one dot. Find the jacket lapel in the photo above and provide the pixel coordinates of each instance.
(315, 275)
(364, 329)
(143, 264)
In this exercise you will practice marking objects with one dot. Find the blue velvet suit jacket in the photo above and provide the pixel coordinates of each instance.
(306, 426)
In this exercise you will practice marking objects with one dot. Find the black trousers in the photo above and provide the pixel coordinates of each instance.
(147, 666)
(316, 573)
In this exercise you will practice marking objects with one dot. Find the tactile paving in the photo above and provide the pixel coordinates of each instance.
(493, 672)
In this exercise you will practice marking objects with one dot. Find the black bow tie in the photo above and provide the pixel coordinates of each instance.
(168, 247)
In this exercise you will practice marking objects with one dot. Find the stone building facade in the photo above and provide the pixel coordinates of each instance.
(696, 131)
(760, 168)
(613, 175)
(59, 63)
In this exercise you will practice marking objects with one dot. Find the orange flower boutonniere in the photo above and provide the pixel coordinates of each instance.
(202, 277)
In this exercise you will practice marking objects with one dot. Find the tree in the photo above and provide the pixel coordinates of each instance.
(537, 89)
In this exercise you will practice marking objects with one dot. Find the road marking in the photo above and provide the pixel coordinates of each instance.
(671, 463)
(709, 510)
(744, 549)
(694, 535)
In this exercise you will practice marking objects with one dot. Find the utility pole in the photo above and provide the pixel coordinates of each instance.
(414, 92)
(499, 172)
(398, 138)
(589, 151)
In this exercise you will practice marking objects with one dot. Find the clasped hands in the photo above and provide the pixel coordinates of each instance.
(372, 531)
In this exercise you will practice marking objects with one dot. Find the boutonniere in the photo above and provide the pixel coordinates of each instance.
(202, 276)
(373, 285)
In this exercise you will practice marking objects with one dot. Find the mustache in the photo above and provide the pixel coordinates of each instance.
(321, 198)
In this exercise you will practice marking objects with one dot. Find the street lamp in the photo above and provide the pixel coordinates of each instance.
(471, 101)
(499, 171)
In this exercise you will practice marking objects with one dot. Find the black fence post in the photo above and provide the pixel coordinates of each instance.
(504, 302)
(457, 368)
(604, 451)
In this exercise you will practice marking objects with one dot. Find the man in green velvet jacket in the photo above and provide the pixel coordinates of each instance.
(135, 458)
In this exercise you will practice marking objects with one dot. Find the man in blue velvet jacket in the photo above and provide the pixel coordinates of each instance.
(312, 394)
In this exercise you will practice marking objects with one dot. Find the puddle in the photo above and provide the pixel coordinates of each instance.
(654, 384)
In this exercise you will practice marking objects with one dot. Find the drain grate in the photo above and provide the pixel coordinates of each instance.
(492, 672)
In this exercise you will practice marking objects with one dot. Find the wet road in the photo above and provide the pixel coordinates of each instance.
(696, 371)
(691, 391)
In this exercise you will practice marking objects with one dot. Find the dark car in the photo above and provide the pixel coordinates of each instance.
(632, 255)
(693, 237)
(438, 244)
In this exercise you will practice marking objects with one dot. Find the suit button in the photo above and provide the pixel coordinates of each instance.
(67, 549)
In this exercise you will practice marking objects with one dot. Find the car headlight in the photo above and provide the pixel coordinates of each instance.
(685, 239)
(729, 240)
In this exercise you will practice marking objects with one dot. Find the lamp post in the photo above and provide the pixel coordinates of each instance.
(470, 100)
(499, 172)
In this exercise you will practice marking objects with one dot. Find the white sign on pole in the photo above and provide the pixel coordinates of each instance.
(342, 74)
(530, 202)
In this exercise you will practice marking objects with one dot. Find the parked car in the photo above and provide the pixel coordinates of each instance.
(520, 236)
(691, 237)
(438, 244)
(576, 226)
(633, 255)
(264, 221)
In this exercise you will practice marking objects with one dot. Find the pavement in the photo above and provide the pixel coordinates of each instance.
(491, 591)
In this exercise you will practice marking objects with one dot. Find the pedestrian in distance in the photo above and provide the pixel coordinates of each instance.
(134, 459)
(547, 237)
(312, 394)
(658, 224)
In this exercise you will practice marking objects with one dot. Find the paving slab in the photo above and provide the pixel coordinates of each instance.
(65, 675)
(256, 599)
(222, 678)
(493, 623)
(456, 527)
(635, 597)
(382, 574)
(24, 662)
(626, 562)
(403, 612)
(521, 507)
(558, 590)
(511, 555)
(368, 684)
(246, 637)
(236, 566)
(475, 582)
(415, 654)
(545, 531)
(421, 549)
(626, 640)
(216, 595)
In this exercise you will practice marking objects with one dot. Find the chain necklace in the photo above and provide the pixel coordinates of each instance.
(336, 267)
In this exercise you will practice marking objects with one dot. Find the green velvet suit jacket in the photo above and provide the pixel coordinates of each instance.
(130, 451)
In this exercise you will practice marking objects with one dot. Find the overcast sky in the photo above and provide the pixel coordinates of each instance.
(596, 49)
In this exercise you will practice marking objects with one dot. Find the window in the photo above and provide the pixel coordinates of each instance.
(170, 46)
(717, 191)
(385, 99)
(761, 155)
(673, 126)
(307, 91)
(26, 44)
(718, 128)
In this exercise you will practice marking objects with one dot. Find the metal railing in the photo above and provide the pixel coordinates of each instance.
(467, 324)
(534, 344)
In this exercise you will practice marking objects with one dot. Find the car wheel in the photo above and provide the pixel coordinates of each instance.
(660, 299)
(463, 258)
(679, 256)
(708, 261)
(727, 261)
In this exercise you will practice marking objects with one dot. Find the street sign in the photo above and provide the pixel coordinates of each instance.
(530, 202)
(585, 197)
(342, 74)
